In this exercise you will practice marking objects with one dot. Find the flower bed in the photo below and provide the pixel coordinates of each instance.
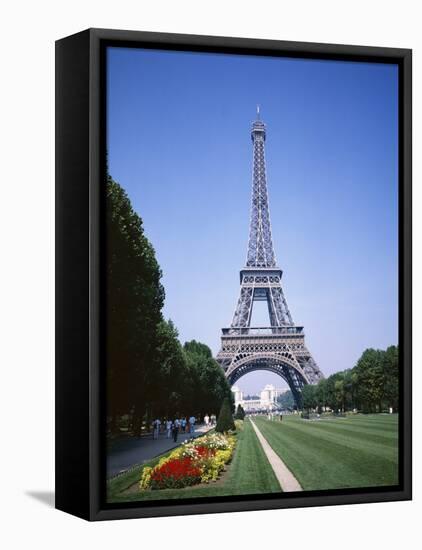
(196, 461)
(175, 473)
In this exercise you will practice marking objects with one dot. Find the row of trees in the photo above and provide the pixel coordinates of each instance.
(149, 372)
(371, 386)
(286, 400)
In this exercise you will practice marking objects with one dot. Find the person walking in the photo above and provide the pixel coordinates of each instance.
(183, 424)
(192, 421)
(156, 428)
(176, 426)
(206, 420)
(169, 425)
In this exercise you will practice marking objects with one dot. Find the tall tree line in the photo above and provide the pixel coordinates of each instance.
(149, 372)
(286, 400)
(371, 386)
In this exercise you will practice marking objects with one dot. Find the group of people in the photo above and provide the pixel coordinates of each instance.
(273, 416)
(172, 427)
(184, 425)
(210, 420)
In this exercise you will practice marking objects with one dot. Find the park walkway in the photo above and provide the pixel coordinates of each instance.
(130, 452)
(287, 480)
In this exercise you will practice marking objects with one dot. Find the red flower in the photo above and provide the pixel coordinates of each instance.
(205, 452)
(178, 472)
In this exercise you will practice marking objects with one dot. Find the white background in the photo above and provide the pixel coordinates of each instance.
(29, 29)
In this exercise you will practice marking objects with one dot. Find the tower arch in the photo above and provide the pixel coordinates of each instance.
(285, 367)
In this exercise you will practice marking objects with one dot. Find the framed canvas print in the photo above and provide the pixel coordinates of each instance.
(233, 274)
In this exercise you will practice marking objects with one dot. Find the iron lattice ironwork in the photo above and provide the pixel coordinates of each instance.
(280, 347)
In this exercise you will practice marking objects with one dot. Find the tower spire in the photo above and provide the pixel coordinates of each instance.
(260, 246)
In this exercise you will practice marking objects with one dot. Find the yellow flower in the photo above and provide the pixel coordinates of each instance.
(145, 478)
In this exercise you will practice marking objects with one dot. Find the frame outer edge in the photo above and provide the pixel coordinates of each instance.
(96, 36)
(95, 183)
(72, 257)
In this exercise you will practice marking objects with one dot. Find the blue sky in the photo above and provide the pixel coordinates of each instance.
(179, 143)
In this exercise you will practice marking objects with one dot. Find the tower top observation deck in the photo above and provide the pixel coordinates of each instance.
(258, 127)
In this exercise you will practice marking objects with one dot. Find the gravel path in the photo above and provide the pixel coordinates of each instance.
(287, 480)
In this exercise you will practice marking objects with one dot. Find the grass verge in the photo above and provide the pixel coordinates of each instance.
(357, 451)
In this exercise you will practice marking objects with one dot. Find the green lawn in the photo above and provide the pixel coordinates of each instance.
(249, 473)
(356, 451)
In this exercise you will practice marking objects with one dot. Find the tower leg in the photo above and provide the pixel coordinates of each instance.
(294, 385)
(242, 315)
(310, 368)
(277, 307)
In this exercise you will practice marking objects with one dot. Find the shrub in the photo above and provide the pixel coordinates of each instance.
(239, 425)
(225, 421)
(240, 413)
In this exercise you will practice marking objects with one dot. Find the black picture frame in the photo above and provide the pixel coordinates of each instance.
(80, 172)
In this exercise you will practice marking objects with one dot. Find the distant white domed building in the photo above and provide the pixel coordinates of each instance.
(267, 401)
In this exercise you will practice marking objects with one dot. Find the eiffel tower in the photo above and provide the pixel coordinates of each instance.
(279, 348)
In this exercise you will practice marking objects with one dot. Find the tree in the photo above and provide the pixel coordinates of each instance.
(369, 380)
(331, 393)
(322, 394)
(309, 398)
(286, 400)
(372, 385)
(134, 297)
(240, 412)
(391, 376)
(149, 373)
(209, 386)
(348, 390)
(225, 419)
(339, 393)
(166, 376)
